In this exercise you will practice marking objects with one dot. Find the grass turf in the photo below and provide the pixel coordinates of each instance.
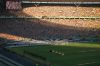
(75, 54)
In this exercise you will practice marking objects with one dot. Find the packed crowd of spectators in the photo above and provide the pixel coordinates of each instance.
(46, 29)
(62, 0)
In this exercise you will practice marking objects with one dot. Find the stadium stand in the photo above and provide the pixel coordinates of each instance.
(63, 0)
(39, 23)
(52, 28)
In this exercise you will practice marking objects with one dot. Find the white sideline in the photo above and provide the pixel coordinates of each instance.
(86, 63)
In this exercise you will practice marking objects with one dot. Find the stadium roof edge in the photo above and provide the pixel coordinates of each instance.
(61, 2)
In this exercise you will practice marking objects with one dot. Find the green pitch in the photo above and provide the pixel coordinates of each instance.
(70, 54)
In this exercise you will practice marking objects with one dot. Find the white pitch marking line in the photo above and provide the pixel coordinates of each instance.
(88, 51)
(86, 63)
(83, 51)
(92, 50)
(80, 64)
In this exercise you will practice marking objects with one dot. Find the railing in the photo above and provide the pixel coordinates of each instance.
(47, 17)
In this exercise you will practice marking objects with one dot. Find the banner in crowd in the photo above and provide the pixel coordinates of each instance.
(13, 5)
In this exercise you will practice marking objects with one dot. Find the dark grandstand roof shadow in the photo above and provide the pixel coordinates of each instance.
(74, 5)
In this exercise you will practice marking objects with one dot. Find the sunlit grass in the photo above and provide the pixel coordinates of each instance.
(91, 45)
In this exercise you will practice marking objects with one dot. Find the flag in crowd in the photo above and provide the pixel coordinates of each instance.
(13, 5)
